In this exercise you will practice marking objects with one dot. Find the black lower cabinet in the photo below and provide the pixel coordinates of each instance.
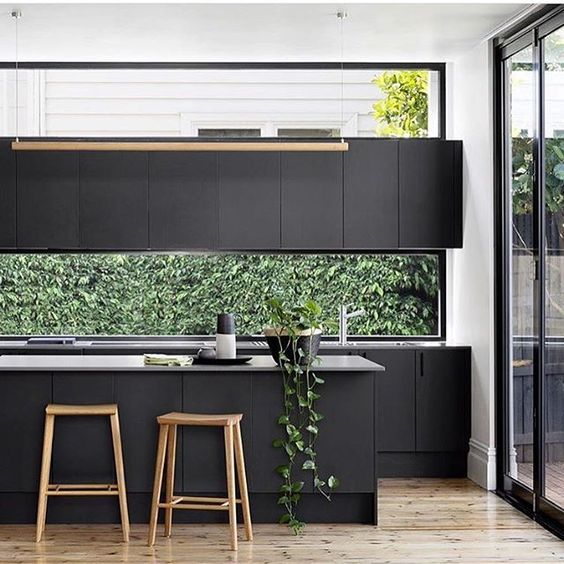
(423, 412)
(267, 407)
(346, 430)
(443, 401)
(23, 398)
(82, 446)
(141, 398)
(204, 447)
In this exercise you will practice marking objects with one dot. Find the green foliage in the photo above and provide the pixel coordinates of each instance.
(403, 112)
(181, 294)
(522, 179)
(299, 419)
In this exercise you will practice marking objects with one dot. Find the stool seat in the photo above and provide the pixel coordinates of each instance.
(62, 409)
(199, 419)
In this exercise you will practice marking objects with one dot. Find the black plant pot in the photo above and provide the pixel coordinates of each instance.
(309, 344)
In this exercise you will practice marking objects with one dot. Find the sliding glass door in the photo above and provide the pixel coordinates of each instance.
(521, 264)
(532, 270)
(553, 175)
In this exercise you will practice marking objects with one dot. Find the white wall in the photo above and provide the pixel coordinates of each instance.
(471, 269)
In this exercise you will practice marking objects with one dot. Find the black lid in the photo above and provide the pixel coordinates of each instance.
(226, 324)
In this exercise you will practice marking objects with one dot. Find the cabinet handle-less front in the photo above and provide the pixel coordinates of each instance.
(421, 364)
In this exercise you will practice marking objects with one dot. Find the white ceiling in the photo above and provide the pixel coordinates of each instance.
(248, 32)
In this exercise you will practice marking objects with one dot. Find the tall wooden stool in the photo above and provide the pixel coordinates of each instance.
(46, 489)
(233, 451)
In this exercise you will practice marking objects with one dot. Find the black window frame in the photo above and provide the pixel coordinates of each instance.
(529, 32)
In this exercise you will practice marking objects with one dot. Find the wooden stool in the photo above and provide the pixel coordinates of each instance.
(46, 489)
(233, 448)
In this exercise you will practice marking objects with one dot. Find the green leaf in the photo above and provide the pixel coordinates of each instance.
(333, 482)
(283, 420)
(284, 519)
(297, 486)
(278, 443)
(312, 429)
(283, 470)
(308, 465)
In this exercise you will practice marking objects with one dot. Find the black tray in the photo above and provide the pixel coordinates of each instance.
(237, 360)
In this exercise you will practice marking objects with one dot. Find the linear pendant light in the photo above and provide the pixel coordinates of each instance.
(303, 146)
(279, 146)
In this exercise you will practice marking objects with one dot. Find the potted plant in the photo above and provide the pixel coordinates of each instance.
(294, 336)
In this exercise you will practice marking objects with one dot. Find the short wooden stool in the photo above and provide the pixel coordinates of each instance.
(233, 450)
(46, 489)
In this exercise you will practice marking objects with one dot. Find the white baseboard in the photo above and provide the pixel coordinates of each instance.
(481, 464)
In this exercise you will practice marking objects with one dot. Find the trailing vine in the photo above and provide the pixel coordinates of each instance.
(296, 329)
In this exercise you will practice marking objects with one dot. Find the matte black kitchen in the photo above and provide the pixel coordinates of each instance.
(281, 282)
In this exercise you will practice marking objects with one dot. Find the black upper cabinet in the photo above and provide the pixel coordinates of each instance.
(395, 414)
(249, 200)
(443, 400)
(371, 194)
(47, 209)
(7, 194)
(312, 200)
(183, 200)
(113, 200)
(430, 193)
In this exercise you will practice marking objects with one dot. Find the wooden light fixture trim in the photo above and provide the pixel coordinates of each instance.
(297, 146)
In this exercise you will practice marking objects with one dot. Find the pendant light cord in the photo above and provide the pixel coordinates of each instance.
(16, 14)
(342, 15)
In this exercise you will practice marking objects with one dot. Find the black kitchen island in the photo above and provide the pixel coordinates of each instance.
(82, 450)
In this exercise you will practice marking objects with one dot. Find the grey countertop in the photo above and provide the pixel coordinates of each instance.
(121, 363)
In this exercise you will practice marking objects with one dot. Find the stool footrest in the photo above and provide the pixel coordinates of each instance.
(82, 489)
(198, 502)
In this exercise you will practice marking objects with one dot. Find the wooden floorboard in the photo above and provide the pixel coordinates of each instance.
(423, 520)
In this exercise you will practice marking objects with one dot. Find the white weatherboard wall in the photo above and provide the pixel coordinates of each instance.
(471, 269)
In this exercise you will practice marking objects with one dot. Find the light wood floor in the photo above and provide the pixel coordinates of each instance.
(420, 521)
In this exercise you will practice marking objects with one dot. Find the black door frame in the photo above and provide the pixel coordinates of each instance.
(529, 501)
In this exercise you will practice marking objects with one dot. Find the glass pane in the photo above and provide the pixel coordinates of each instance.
(519, 71)
(179, 102)
(228, 132)
(554, 296)
(181, 294)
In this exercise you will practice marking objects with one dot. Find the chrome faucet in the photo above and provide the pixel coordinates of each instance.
(343, 319)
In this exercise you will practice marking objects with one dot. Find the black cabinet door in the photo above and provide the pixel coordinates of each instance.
(82, 447)
(442, 393)
(249, 200)
(183, 200)
(312, 200)
(47, 214)
(429, 193)
(7, 194)
(346, 433)
(371, 194)
(141, 398)
(113, 200)
(204, 447)
(268, 405)
(395, 412)
(23, 397)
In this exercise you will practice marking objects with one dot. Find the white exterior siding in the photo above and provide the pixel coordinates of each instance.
(153, 102)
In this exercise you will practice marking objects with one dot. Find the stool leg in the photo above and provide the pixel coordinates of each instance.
(242, 478)
(230, 470)
(157, 484)
(44, 479)
(170, 463)
(120, 474)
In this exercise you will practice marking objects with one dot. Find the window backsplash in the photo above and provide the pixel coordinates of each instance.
(154, 294)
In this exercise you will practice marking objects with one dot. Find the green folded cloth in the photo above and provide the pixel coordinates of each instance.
(166, 360)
